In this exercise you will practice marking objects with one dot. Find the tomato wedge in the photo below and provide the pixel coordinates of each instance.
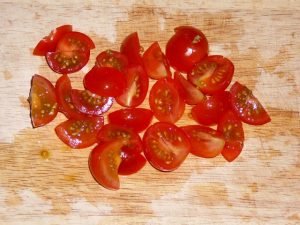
(212, 74)
(132, 160)
(48, 43)
(72, 53)
(205, 142)
(104, 161)
(111, 58)
(137, 83)
(42, 99)
(165, 101)
(210, 110)
(165, 146)
(79, 133)
(131, 48)
(246, 106)
(186, 47)
(105, 81)
(89, 103)
(63, 91)
(188, 91)
(137, 119)
(232, 129)
(155, 62)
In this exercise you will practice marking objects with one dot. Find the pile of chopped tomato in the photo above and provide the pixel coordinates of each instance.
(185, 74)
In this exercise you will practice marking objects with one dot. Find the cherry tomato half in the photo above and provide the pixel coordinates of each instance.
(63, 91)
(212, 74)
(165, 101)
(131, 48)
(165, 146)
(155, 62)
(111, 58)
(206, 142)
(137, 83)
(48, 43)
(137, 119)
(105, 81)
(246, 106)
(79, 133)
(232, 129)
(209, 111)
(42, 99)
(186, 47)
(89, 103)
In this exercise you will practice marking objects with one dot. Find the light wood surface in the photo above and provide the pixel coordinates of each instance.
(261, 187)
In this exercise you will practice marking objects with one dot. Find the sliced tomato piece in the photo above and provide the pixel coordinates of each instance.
(131, 48)
(137, 83)
(188, 91)
(232, 129)
(75, 41)
(42, 99)
(186, 47)
(246, 106)
(206, 142)
(137, 119)
(48, 43)
(89, 103)
(165, 101)
(131, 163)
(63, 91)
(104, 162)
(165, 146)
(210, 110)
(155, 62)
(111, 58)
(212, 74)
(79, 133)
(105, 81)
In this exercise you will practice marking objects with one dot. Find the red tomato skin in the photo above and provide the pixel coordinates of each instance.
(70, 132)
(111, 58)
(211, 75)
(168, 108)
(232, 129)
(131, 163)
(155, 62)
(37, 101)
(206, 142)
(48, 43)
(186, 47)
(246, 106)
(137, 119)
(131, 48)
(105, 81)
(209, 111)
(63, 91)
(178, 146)
(136, 78)
(188, 91)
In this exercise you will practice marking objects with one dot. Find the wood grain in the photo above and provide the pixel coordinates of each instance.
(261, 187)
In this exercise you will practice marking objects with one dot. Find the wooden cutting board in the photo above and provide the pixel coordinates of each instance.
(261, 187)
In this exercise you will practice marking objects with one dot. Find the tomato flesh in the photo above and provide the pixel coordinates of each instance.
(104, 161)
(42, 99)
(212, 74)
(137, 84)
(205, 142)
(79, 133)
(165, 146)
(48, 43)
(111, 58)
(232, 129)
(131, 163)
(63, 91)
(89, 103)
(155, 62)
(246, 106)
(137, 119)
(131, 48)
(105, 81)
(189, 92)
(210, 110)
(186, 47)
(165, 101)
